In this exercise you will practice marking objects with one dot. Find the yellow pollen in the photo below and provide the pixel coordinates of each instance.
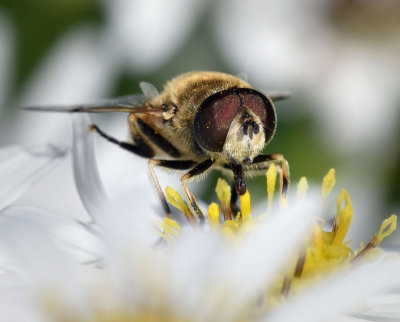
(170, 229)
(271, 181)
(245, 205)
(302, 187)
(328, 183)
(224, 195)
(175, 199)
(213, 216)
(223, 192)
(343, 218)
(387, 228)
(229, 228)
(317, 232)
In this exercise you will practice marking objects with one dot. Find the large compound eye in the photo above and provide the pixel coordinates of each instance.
(216, 113)
(213, 119)
(259, 104)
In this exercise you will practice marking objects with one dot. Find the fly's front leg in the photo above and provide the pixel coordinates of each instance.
(139, 147)
(234, 197)
(142, 149)
(262, 162)
(196, 171)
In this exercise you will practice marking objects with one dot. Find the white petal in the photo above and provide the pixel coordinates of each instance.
(21, 168)
(341, 294)
(384, 306)
(195, 262)
(268, 249)
(266, 39)
(75, 71)
(87, 178)
(147, 33)
(203, 263)
(6, 57)
(361, 82)
(39, 267)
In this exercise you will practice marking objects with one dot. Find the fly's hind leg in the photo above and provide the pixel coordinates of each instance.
(169, 164)
(141, 148)
(196, 171)
(182, 165)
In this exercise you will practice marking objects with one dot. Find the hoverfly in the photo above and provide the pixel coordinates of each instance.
(201, 120)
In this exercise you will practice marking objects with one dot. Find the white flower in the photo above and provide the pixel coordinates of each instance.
(132, 275)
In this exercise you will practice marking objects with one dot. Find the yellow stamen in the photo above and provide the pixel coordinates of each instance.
(343, 218)
(317, 232)
(223, 192)
(170, 229)
(229, 228)
(302, 187)
(245, 205)
(224, 195)
(175, 199)
(387, 228)
(328, 183)
(213, 216)
(271, 181)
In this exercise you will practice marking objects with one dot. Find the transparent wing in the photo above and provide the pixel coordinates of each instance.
(278, 95)
(125, 104)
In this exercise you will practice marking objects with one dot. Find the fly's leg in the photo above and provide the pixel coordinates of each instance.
(181, 165)
(142, 149)
(262, 162)
(169, 164)
(140, 127)
(196, 171)
(234, 196)
(139, 148)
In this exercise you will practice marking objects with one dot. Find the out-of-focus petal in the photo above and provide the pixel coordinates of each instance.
(75, 71)
(350, 289)
(105, 211)
(385, 306)
(39, 264)
(291, 44)
(21, 168)
(247, 270)
(147, 33)
(269, 40)
(87, 177)
(6, 57)
(360, 100)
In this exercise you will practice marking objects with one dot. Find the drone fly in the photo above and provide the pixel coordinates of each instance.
(201, 121)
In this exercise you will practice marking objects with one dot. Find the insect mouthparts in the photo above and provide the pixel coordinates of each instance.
(249, 126)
